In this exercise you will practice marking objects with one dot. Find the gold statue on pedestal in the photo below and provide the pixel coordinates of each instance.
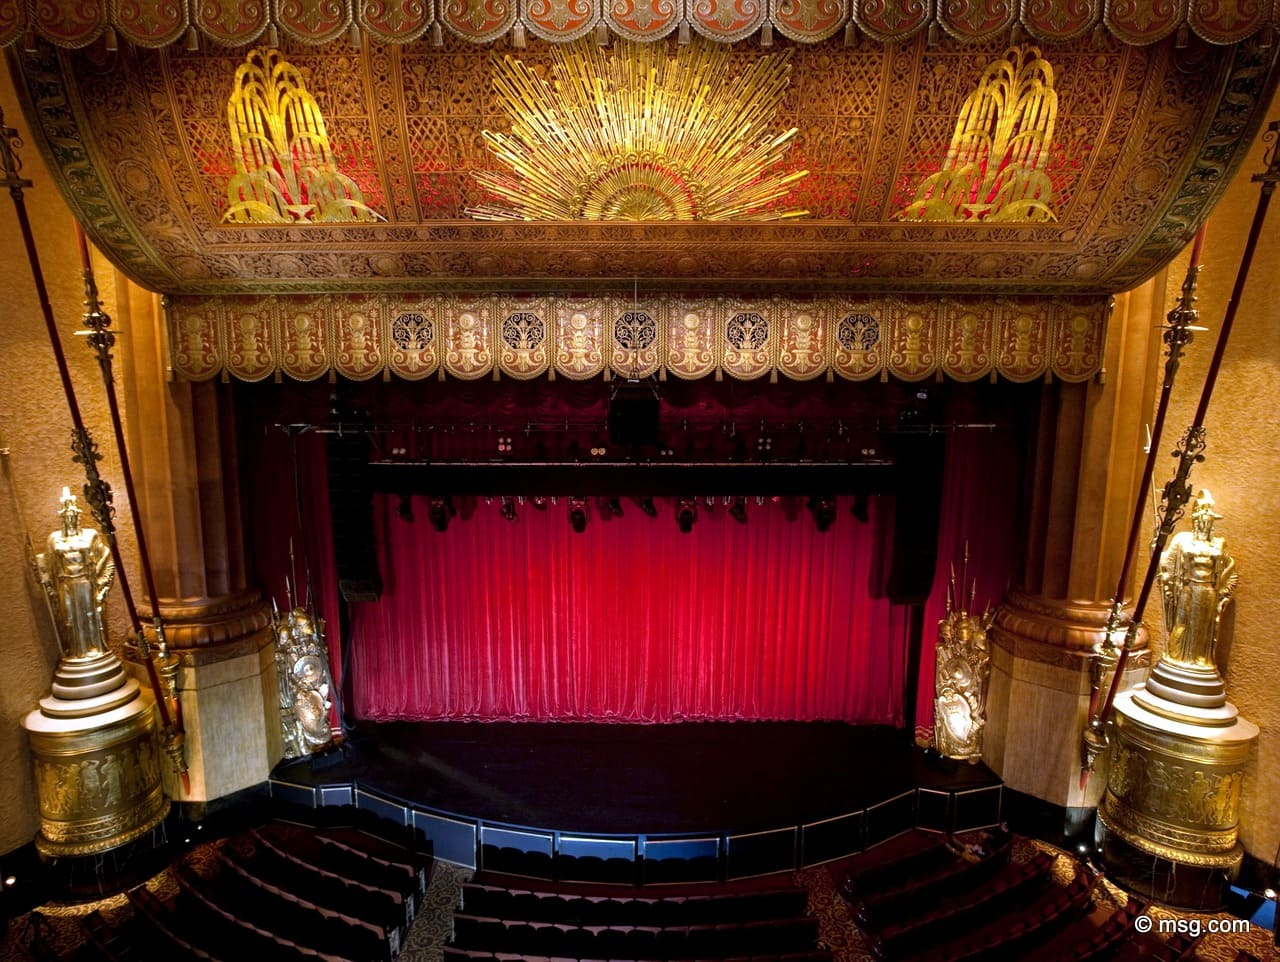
(1169, 818)
(93, 736)
(962, 669)
(302, 671)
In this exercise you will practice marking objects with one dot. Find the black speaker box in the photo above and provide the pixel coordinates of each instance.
(633, 416)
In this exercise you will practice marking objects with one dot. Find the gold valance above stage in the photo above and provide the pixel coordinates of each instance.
(158, 23)
(363, 336)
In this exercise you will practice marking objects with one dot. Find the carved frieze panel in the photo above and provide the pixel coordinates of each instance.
(692, 329)
(642, 19)
(304, 336)
(857, 337)
(413, 344)
(524, 336)
(360, 336)
(966, 340)
(802, 338)
(250, 339)
(560, 20)
(579, 337)
(1023, 330)
(725, 20)
(469, 329)
(913, 338)
(637, 335)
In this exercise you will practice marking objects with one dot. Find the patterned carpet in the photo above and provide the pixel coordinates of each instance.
(432, 926)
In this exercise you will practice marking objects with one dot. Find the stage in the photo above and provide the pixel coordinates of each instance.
(727, 799)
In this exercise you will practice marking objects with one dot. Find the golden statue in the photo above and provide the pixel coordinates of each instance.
(302, 672)
(1197, 579)
(76, 573)
(962, 668)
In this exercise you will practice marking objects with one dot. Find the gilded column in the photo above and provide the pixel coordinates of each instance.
(183, 446)
(1086, 466)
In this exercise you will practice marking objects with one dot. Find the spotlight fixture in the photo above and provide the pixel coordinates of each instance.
(648, 507)
(738, 510)
(823, 510)
(504, 445)
(686, 514)
(440, 511)
(508, 508)
(539, 502)
(615, 507)
(405, 510)
(10, 881)
(578, 513)
(859, 509)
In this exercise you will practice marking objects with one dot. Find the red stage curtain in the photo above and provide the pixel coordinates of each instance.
(980, 490)
(630, 620)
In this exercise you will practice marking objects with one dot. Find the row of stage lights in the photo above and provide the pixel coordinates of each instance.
(441, 509)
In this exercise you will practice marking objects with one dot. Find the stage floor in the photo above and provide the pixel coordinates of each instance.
(710, 778)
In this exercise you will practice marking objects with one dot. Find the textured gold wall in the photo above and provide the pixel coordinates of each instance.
(1241, 471)
(35, 426)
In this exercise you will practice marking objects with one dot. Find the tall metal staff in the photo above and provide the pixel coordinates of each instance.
(1190, 449)
(97, 491)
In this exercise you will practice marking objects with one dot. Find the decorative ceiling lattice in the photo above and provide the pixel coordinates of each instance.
(159, 23)
(1144, 142)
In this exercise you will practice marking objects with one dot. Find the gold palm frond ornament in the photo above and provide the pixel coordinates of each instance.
(285, 169)
(640, 133)
(995, 167)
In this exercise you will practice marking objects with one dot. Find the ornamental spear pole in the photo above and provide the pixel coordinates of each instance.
(1190, 449)
(97, 491)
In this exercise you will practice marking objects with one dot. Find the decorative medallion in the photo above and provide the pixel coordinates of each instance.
(856, 350)
(285, 170)
(913, 352)
(469, 346)
(640, 133)
(636, 349)
(691, 338)
(747, 340)
(995, 168)
(802, 343)
(413, 350)
(1022, 340)
(304, 341)
(579, 348)
(560, 19)
(524, 351)
(966, 341)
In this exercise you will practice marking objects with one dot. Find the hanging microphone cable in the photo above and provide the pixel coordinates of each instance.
(97, 491)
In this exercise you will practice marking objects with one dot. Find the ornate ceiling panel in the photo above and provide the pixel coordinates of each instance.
(1145, 140)
(156, 23)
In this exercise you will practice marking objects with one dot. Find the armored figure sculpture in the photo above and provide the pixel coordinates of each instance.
(302, 670)
(76, 572)
(1197, 579)
(962, 668)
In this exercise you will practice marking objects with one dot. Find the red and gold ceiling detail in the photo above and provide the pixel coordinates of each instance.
(639, 132)
(857, 337)
(284, 167)
(1145, 140)
(995, 168)
(233, 23)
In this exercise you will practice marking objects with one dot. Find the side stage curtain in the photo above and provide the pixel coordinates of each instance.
(630, 620)
(980, 490)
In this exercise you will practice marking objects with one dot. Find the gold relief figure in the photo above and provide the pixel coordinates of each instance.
(76, 572)
(285, 168)
(962, 669)
(994, 170)
(1197, 580)
(302, 671)
(112, 781)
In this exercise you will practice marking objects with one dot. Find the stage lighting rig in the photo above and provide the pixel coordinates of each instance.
(647, 506)
(440, 511)
(686, 514)
(508, 508)
(578, 514)
(738, 510)
(823, 510)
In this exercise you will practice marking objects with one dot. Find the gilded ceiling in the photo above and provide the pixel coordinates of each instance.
(1141, 142)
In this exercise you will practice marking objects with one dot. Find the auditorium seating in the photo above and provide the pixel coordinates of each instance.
(499, 924)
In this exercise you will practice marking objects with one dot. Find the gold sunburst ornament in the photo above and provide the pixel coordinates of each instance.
(285, 169)
(640, 133)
